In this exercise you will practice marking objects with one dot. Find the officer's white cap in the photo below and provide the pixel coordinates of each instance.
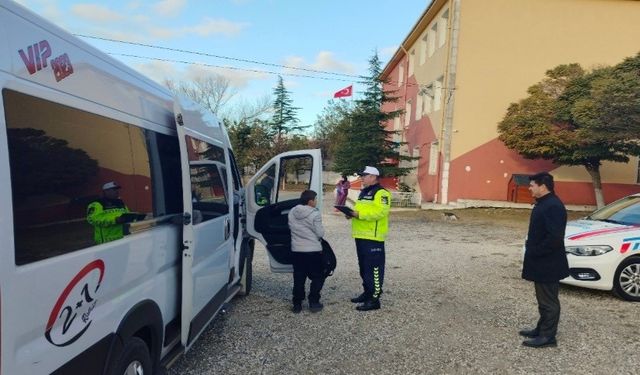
(110, 185)
(370, 170)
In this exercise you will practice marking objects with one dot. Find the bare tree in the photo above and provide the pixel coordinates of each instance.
(213, 92)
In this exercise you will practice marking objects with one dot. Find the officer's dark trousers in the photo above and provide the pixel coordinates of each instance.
(371, 263)
(549, 308)
(307, 265)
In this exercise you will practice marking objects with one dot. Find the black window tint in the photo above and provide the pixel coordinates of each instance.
(164, 155)
(208, 191)
(237, 181)
(60, 158)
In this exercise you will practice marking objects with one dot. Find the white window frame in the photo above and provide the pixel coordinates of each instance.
(407, 113)
(442, 28)
(428, 99)
(424, 42)
(400, 75)
(419, 101)
(412, 61)
(437, 94)
(432, 35)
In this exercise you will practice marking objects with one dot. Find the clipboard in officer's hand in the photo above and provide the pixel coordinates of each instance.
(344, 209)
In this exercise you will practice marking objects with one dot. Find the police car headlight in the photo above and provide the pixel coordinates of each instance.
(588, 250)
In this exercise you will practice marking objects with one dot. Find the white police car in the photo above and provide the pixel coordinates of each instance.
(603, 249)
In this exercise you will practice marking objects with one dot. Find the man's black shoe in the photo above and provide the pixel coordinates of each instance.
(369, 305)
(315, 306)
(297, 308)
(530, 333)
(359, 299)
(540, 342)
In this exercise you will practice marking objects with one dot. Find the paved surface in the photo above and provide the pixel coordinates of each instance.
(453, 302)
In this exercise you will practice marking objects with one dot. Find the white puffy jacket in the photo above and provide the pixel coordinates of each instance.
(305, 223)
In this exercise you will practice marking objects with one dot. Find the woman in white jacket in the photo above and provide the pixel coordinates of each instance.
(305, 222)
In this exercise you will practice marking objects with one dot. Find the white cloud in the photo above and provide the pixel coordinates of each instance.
(324, 61)
(159, 71)
(133, 5)
(169, 8)
(96, 13)
(216, 26)
(387, 52)
(206, 28)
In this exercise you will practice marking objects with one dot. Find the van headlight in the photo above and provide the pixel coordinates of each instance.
(588, 250)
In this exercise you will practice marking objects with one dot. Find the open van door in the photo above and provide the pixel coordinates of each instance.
(273, 192)
(207, 243)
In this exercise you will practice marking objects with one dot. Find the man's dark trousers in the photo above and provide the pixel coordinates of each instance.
(549, 308)
(371, 263)
(307, 265)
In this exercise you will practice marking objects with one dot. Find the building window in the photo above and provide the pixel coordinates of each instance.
(427, 102)
(423, 48)
(412, 61)
(432, 39)
(437, 94)
(419, 106)
(433, 158)
(400, 75)
(442, 28)
(407, 114)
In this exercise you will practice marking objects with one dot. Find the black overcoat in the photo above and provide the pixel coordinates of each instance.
(545, 260)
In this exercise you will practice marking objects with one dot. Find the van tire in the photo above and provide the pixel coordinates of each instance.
(246, 275)
(135, 353)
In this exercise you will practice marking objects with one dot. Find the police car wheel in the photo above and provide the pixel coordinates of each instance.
(246, 272)
(626, 282)
(134, 359)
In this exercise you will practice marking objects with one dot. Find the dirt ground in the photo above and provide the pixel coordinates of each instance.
(453, 303)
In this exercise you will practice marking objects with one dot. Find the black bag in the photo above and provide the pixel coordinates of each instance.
(329, 261)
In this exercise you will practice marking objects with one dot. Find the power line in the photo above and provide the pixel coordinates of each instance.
(362, 79)
(219, 56)
(232, 67)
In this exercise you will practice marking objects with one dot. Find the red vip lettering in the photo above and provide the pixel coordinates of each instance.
(62, 67)
(36, 56)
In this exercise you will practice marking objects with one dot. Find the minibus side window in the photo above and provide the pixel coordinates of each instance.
(63, 161)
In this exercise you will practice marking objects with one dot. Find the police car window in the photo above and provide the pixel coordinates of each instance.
(60, 160)
(208, 191)
(295, 177)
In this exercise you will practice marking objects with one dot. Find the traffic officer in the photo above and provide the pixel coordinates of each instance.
(106, 214)
(369, 225)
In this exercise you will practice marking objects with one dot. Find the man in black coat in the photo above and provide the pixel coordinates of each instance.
(545, 261)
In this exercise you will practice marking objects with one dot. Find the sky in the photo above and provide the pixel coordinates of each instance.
(253, 41)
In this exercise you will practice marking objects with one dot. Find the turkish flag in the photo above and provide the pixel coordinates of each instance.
(347, 91)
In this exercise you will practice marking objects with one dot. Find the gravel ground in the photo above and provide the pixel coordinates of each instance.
(453, 303)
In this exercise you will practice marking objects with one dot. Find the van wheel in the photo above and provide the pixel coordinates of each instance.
(626, 282)
(246, 271)
(134, 359)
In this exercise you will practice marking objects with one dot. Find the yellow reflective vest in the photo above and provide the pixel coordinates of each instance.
(373, 206)
(102, 214)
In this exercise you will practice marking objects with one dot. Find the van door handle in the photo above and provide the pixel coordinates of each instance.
(227, 228)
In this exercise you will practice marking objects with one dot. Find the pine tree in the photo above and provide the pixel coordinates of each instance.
(284, 119)
(366, 141)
